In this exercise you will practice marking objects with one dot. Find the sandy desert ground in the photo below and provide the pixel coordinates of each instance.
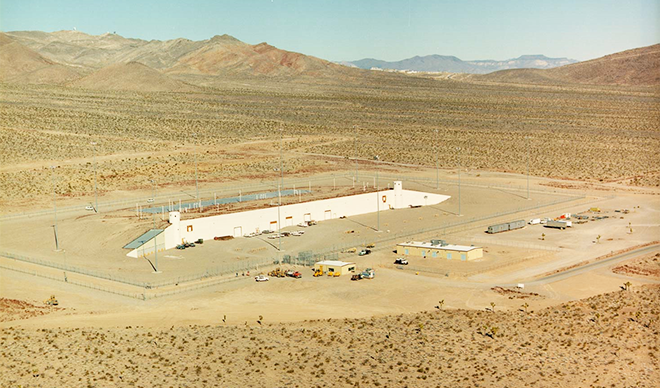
(586, 133)
(602, 341)
(581, 329)
(587, 316)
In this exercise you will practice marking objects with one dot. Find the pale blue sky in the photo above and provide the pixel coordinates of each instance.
(350, 30)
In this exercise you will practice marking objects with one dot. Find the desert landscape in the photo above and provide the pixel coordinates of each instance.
(599, 341)
(103, 136)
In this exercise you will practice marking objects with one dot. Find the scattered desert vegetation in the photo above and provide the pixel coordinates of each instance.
(589, 134)
(603, 341)
(648, 265)
(13, 309)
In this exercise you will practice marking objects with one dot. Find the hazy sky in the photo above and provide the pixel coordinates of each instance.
(350, 30)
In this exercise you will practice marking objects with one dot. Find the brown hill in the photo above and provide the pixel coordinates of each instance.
(226, 54)
(19, 64)
(132, 76)
(97, 51)
(215, 56)
(636, 67)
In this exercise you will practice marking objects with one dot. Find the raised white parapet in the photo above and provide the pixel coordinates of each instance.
(321, 210)
(175, 217)
(398, 195)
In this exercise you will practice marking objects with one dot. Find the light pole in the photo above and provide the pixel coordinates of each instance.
(96, 197)
(458, 149)
(528, 156)
(153, 217)
(279, 202)
(355, 150)
(52, 179)
(281, 160)
(377, 159)
(437, 173)
(195, 152)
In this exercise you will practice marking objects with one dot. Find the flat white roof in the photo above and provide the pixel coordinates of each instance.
(334, 263)
(449, 247)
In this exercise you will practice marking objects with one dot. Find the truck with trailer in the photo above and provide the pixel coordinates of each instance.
(558, 224)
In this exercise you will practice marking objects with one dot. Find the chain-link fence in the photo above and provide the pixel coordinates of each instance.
(442, 229)
(304, 258)
(301, 185)
(74, 269)
(209, 195)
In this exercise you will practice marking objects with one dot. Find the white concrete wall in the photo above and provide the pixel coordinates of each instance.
(258, 220)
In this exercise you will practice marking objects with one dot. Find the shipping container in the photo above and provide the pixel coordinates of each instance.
(498, 228)
(506, 226)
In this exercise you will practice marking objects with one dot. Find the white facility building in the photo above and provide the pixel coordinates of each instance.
(242, 223)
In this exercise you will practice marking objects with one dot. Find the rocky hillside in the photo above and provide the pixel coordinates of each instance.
(219, 55)
(638, 67)
(131, 76)
(19, 64)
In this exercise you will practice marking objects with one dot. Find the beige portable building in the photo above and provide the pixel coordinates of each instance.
(334, 266)
(439, 249)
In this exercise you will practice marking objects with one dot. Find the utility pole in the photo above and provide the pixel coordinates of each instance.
(437, 172)
(195, 152)
(528, 156)
(96, 197)
(377, 159)
(52, 179)
(153, 217)
(279, 202)
(458, 149)
(355, 150)
(281, 160)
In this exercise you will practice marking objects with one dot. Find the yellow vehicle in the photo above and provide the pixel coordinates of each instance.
(318, 273)
(337, 274)
(51, 301)
(351, 250)
(372, 245)
(277, 273)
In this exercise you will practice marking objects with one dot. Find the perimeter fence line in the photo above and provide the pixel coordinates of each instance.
(467, 273)
(74, 269)
(301, 183)
(305, 258)
(515, 244)
(64, 279)
(452, 227)
(367, 178)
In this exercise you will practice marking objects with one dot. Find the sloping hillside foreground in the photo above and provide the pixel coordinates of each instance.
(609, 340)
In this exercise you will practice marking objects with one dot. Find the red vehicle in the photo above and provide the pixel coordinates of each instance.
(293, 274)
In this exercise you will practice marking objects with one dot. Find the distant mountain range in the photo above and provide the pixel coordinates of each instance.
(66, 56)
(112, 62)
(451, 64)
(640, 66)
